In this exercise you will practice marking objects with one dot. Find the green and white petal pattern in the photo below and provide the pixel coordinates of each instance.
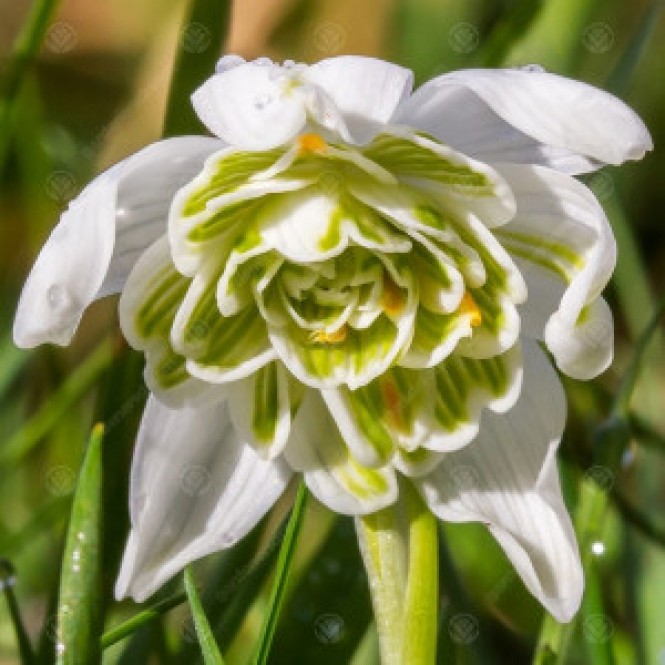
(410, 413)
(332, 473)
(261, 406)
(565, 248)
(147, 309)
(507, 478)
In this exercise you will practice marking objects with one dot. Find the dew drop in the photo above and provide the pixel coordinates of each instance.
(533, 68)
(598, 548)
(60, 648)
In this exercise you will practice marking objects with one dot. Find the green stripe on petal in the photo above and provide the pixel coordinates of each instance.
(223, 173)
(331, 472)
(148, 305)
(261, 408)
(436, 337)
(463, 387)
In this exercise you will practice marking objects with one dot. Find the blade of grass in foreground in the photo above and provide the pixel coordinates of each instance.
(79, 603)
(284, 561)
(209, 648)
(7, 581)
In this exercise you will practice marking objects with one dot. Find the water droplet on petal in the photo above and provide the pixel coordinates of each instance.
(532, 68)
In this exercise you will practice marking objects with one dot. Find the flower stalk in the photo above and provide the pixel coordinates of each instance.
(399, 546)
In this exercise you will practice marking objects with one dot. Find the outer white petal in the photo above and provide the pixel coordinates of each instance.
(99, 238)
(507, 478)
(253, 105)
(528, 116)
(560, 224)
(195, 488)
(365, 90)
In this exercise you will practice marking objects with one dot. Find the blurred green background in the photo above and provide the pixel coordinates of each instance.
(97, 91)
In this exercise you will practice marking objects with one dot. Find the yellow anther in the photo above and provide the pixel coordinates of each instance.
(469, 306)
(309, 143)
(392, 298)
(324, 337)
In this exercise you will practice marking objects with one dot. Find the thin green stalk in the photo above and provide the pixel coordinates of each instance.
(25, 49)
(140, 619)
(284, 562)
(399, 545)
(7, 580)
(209, 648)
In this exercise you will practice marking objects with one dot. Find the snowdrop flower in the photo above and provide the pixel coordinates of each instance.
(350, 282)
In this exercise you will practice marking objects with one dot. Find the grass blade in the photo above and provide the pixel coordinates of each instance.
(209, 648)
(7, 581)
(284, 561)
(79, 604)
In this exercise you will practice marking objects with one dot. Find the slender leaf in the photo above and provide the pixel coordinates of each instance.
(284, 562)
(79, 603)
(209, 648)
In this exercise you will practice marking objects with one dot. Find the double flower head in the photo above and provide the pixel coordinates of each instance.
(353, 282)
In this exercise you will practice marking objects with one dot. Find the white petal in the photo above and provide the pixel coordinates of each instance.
(365, 90)
(195, 488)
(332, 474)
(252, 105)
(528, 116)
(566, 250)
(507, 478)
(99, 238)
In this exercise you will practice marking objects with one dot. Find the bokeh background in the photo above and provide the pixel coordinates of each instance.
(97, 91)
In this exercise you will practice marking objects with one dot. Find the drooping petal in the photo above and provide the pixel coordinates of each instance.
(527, 116)
(564, 245)
(365, 90)
(196, 488)
(254, 105)
(332, 473)
(99, 238)
(507, 478)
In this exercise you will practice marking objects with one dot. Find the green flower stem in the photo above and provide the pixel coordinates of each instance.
(24, 52)
(610, 441)
(400, 550)
(286, 553)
